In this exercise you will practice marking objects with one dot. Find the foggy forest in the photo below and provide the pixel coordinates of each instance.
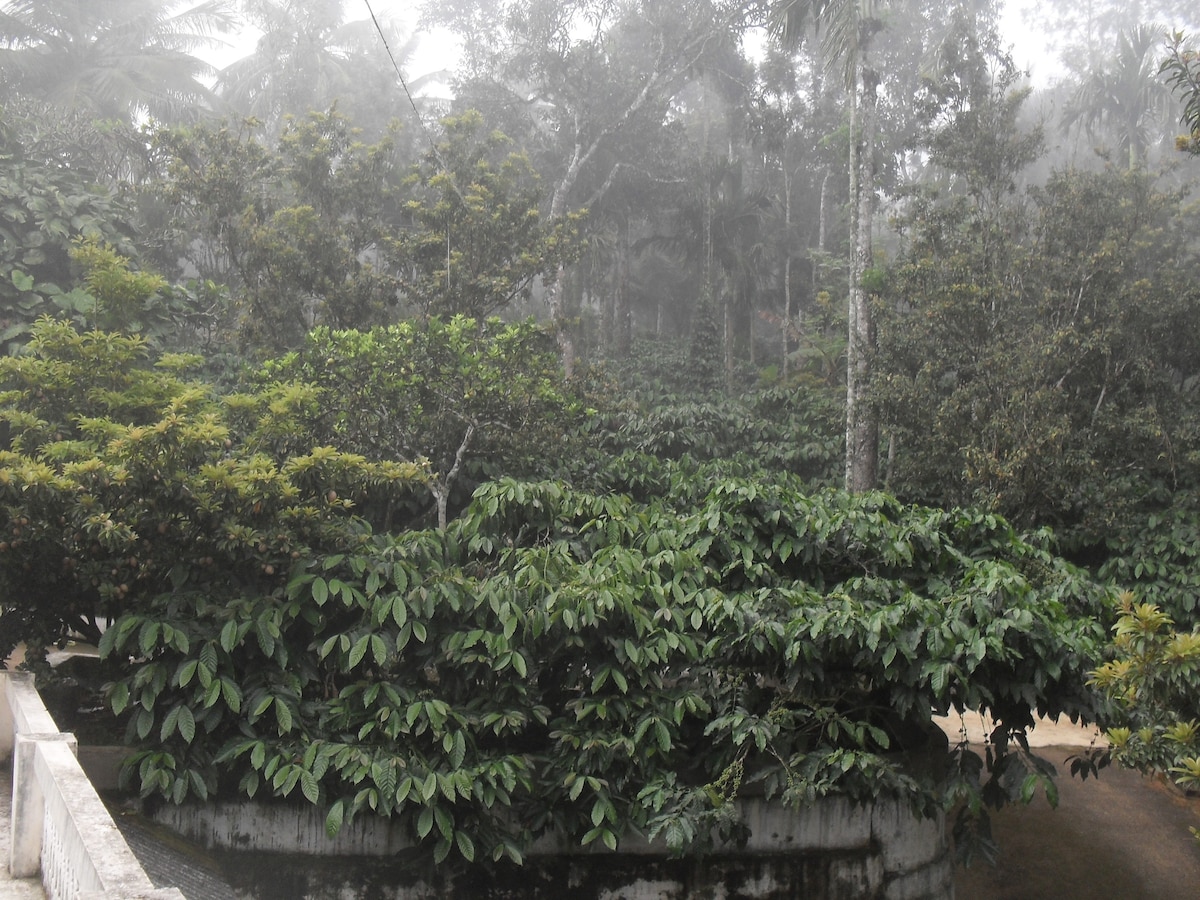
(516, 415)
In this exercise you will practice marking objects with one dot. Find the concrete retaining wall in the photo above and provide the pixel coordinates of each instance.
(833, 850)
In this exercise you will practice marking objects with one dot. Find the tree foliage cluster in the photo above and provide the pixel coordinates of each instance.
(324, 229)
(125, 479)
(665, 411)
(47, 205)
(1047, 373)
(469, 398)
(1152, 683)
(1182, 70)
(551, 660)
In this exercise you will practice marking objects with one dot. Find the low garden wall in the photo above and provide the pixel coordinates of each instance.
(832, 850)
(60, 827)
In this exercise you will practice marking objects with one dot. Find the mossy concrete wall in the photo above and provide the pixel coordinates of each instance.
(833, 850)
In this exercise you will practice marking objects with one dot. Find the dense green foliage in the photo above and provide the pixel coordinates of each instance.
(319, 228)
(1050, 377)
(1152, 680)
(588, 664)
(1181, 68)
(125, 481)
(294, 229)
(463, 397)
(664, 410)
(46, 205)
(477, 241)
(551, 659)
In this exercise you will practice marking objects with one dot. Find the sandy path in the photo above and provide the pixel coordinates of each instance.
(1121, 837)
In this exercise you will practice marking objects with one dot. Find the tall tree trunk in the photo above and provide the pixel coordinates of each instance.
(822, 216)
(622, 303)
(555, 300)
(862, 427)
(787, 265)
(727, 334)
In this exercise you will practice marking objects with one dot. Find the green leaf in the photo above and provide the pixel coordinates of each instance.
(445, 823)
(663, 736)
(320, 591)
(310, 787)
(169, 723)
(108, 642)
(399, 611)
(400, 577)
(425, 822)
(334, 818)
(358, 651)
(187, 672)
(232, 694)
(199, 788)
(229, 636)
(149, 637)
(119, 699)
(187, 724)
(378, 649)
(283, 715)
(466, 846)
(442, 851)
(1029, 787)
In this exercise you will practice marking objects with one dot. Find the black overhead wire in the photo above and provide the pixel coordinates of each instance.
(425, 131)
(400, 75)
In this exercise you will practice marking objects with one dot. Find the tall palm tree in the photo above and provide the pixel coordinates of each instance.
(1123, 98)
(309, 59)
(116, 59)
(846, 29)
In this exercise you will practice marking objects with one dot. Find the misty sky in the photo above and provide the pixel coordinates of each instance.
(436, 51)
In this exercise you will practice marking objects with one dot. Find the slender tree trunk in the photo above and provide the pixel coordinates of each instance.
(727, 332)
(787, 265)
(862, 427)
(607, 304)
(749, 309)
(823, 214)
(622, 304)
(554, 289)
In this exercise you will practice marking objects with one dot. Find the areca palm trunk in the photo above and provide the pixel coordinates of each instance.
(848, 27)
(862, 426)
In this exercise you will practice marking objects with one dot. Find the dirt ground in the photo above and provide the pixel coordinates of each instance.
(1121, 837)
